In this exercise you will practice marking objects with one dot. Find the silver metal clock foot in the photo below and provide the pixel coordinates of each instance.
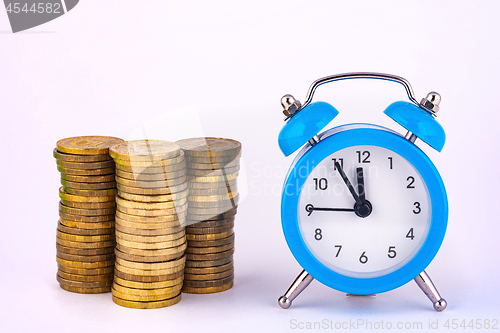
(300, 283)
(425, 283)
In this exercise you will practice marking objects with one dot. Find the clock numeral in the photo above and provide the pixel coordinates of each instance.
(410, 234)
(338, 252)
(317, 234)
(417, 209)
(320, 183)
(341, 162)
(363, 259)
(390, 162)
(309, 209)
(391, 254)
(411, 180)
(365, 154)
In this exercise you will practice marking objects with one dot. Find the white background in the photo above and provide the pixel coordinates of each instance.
(170, 69)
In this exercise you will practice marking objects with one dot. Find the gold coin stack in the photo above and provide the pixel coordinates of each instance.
(85, 231)
(212, 169)
(150, 216)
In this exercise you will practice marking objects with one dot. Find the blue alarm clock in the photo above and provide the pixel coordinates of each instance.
(363, 209)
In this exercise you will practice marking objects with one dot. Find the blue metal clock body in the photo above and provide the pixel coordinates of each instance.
(353, 135)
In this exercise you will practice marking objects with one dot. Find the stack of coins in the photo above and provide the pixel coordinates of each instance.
(150, 217)
(85, 232)
(212, 169)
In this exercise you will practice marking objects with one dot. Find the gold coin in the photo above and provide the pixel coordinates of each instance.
(152, 266)
(85, 278)
(223, 178)
(93, 258)
(208, 263)
(151, 162)
(87, 225)
(150, 246)
(212, 173)
(81, 198)
(213, 166)
(209, 283)
(85, 271)
(87, 284)
(87, 186)
(214, 204)
(146, 177)
(212, 217)
(85, 232)
(210, 211)
(86, 212)
(174, 250)
(153, 191)
(210, 146)
(144, 150)
(168, 220)
(154, 272)
(150, 239)
(213, 159)
(88, 179)
(205, 277)
(127, 291)
(209, 270)
(89, 205)
(224, 191)
(151, 278)
(85, 239)
(148, 232)
(81, 245)
(151, 226)
(154, 212)
(96, 193)
(80, 158)
(213, 249)
(147, 305)
(85, 252)
(150, 259)
(86, 172)
(210, 256)
(148, 285)
(210, 224)
(207, 290)
(151, 205)
(87, 219)
(211, 243)
(153, 198)
(215, 230)
(87, 265)
(86, 165)
(210, 198)
(151, 184)
(144, 298)
(87, 145)
(227, 184)
(86, 290)
(136, 169)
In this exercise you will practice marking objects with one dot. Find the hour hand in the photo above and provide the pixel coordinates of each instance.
(310, 208)
(348, 183)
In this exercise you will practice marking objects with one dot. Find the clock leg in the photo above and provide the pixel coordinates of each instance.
(425, 283)
(300, 283)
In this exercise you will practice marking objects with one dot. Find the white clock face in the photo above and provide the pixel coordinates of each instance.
(368, 233)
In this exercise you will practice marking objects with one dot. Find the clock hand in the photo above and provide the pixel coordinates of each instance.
(310, 208)
(348, 183)
(361, 184)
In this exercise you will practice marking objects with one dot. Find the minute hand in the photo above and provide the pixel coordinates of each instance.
(348, 183)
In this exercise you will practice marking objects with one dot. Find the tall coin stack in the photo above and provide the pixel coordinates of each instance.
(212, 169)
(85, 231)
(150, 217)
